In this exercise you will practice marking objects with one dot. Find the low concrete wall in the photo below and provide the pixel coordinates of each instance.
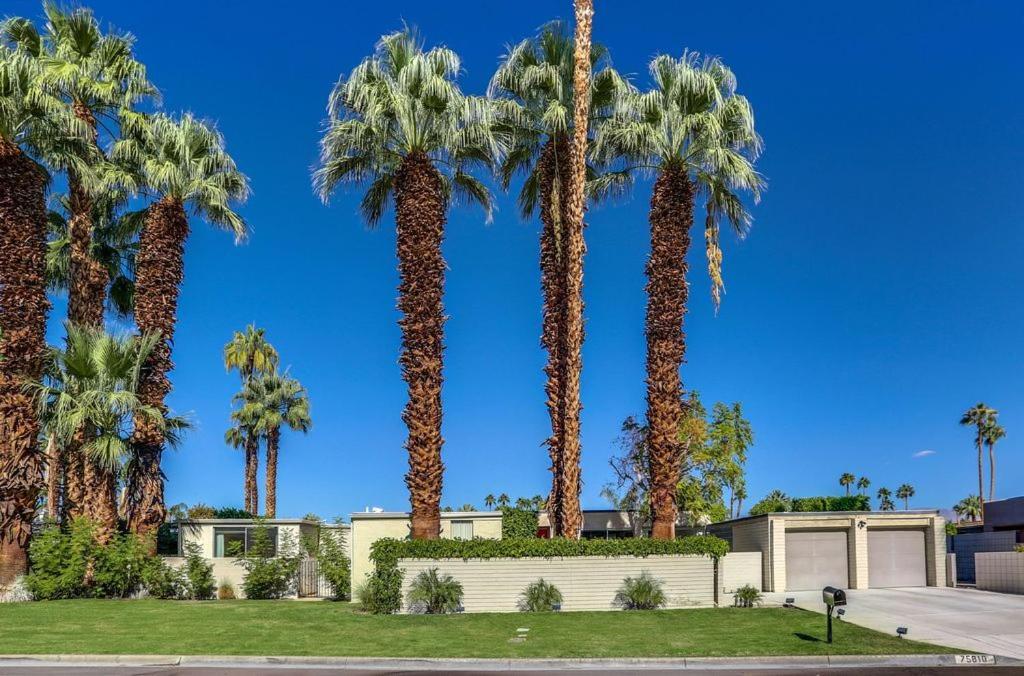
(1000, 571)
(738, 569)
(224, 570)
(967, 545)
(586, 582)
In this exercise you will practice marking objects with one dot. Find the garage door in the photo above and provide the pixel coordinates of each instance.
(816, 559)
(896, 558)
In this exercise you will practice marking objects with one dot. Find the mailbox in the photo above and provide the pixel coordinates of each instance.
(833, 597)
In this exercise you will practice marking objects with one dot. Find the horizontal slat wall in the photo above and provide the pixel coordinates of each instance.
(586, 582)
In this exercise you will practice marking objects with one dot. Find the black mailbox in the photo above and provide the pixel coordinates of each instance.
(833, 596)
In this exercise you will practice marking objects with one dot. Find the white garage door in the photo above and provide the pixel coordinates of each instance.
(896, 558)
(816, 559)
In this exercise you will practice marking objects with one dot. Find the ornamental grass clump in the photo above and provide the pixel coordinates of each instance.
(540, 597)
(645, 592)
(435, 594)
(747, 596)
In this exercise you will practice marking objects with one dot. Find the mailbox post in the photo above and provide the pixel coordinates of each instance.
(832, 597)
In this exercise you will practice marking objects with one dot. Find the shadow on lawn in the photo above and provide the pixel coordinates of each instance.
(807, 637)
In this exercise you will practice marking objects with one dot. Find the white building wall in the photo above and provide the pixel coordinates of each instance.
(738, 569)
(1000, 571)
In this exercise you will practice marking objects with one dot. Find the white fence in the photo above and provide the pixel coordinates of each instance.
(1000, 571)
(586, 582)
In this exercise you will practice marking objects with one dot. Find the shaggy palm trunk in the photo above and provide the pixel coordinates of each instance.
(252, 462)
(670, 218)
(159, 273)
(273, 443)
(101, 507)
(420, 216)
(554, 175)
(54, 477)
(23, 307)
(570, 515)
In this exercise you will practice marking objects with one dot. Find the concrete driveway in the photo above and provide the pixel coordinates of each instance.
(984, 622)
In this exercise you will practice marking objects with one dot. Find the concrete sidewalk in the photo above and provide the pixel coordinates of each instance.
(979, 621)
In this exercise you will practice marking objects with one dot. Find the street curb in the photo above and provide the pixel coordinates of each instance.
(474, 664)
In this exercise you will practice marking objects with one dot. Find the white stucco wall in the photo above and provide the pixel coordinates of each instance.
(1000, 571)
(738, 569)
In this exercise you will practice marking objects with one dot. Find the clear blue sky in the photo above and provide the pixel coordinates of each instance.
(876, 298)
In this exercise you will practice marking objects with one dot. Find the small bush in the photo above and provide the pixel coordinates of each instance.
(268, 576)
(435, 594)
(747, 596)
(162, 581)
(640, 593)
(539, 597)
(951, 528)
(199, 574)
(226, 591)
(1019, 549)
(375, 597)
(332, 562)
(118, 567)
(59, 561)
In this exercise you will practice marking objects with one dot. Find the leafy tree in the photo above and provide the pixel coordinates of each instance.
(400, 123)
(251, 354)
(980, 417)
(183, 167)
(993, 433)
(730, 435)
(847, 480)
(696, 135)
(776, 501)
(862, 485)
(904, 493)
(885, 503)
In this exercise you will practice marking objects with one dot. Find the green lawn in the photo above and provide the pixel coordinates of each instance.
(325, 628)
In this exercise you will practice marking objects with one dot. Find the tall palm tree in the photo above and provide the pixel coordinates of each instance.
(533, 93)
(489, 501)
(904, 493)
(184, 166)
(270, 402)
(846, 480)
(696, 134)
(251, 354)
(93, 385)
(885, 500)
(400, 123)
(980, 417)
(863, 484)
(993, 433)
(34, 128)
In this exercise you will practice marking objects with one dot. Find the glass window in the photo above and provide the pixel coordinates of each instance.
(462, 530)
(228, 542)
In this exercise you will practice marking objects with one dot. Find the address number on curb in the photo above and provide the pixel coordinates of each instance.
(975, 659)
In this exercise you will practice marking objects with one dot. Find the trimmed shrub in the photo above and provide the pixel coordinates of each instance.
(268, 576)
(332, 562)
(118, 567)
(747, 596)
(199, 574)
(539, 597)
(641, 593)
(162, 581)
(435, 594)
(59, 561)
(226, 591)
(518, 522)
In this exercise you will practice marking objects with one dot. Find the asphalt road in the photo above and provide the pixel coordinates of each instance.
(301, 671)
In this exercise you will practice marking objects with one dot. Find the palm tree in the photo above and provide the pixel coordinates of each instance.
(251, 354)
(34, 128)
(400, 123)
(980, 416)
(904, 493)
(533, 93)
(863, 484)
(93, 386)
(503, 500)
(184, 166)
(696, 134)
(885, 500)
(489, 501)
(270, 402)
(971, 507)
(993, 433)
(846, 480)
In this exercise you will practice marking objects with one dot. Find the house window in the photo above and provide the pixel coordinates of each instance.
(229, 541)
(462, 530)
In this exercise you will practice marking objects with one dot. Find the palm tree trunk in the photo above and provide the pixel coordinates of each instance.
(74, 480)
(23, 307)
(981, 478)
(991, 472)
(159, 273)
(54, 477)
(571, 517)
(101, 508)
(273, 442)
(252, 467)
(667, 293)
(420, 216)
(553, 166)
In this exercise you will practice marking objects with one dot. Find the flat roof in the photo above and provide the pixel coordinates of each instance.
(406, 515)
(899, 512)
(271, 522)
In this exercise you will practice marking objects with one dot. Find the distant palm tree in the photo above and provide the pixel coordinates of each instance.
(489, 501)
(847, 480)
(863, 484)
(885, 503)
(251, 354)
(503, 500)
(970, 507)
(979, 416)
(185, 167)
(269, 403)
(400, 123)
(904, 493)
(993, 433)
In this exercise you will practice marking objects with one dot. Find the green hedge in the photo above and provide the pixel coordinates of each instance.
(386, 580)
(833, 503)
(518, 523)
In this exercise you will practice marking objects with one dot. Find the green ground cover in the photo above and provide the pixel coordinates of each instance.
(331, 629)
